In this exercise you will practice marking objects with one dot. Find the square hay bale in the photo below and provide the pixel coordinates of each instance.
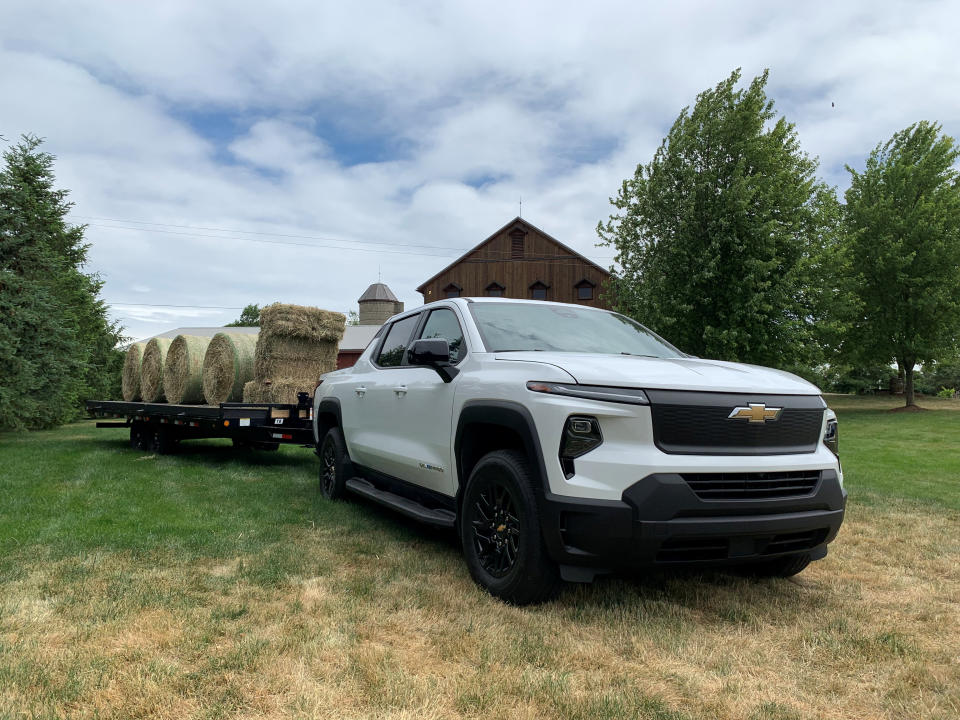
(277, 391)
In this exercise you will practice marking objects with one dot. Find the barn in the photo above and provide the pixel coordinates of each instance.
(521, 261)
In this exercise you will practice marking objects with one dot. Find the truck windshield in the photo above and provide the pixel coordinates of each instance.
(511, 327)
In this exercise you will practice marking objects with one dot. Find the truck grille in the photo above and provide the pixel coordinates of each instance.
(698, 423)
(752, 486)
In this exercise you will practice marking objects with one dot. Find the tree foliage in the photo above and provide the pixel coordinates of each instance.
(249, 317)
(57, 346)
(723, 239)
(903, 246)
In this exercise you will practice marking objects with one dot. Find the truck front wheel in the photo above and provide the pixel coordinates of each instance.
(500, 531)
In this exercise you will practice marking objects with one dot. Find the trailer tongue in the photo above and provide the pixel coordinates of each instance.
(159, 427)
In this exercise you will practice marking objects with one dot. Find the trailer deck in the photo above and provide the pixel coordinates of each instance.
(160, 426)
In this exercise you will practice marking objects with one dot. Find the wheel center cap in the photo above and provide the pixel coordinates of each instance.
(501, 528)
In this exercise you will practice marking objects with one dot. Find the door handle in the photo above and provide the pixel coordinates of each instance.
(400, 390)
(360, 390)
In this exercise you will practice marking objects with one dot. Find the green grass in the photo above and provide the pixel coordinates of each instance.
(912, 456)
(214, 584)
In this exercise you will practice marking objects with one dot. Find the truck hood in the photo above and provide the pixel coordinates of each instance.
(667, 373)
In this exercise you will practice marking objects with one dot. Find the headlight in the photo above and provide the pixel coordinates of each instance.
(630, 396)
(831, 438)
(581, 434)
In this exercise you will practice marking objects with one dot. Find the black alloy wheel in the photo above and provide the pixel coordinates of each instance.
(335, 467)
(496, 528)
(500, 532)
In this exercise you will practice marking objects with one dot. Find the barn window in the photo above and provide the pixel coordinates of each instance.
(585, 289)
(494, 290)
(516, 243)
(452, 290)
(538, 291)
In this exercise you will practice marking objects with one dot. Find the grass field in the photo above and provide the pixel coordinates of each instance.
(213, 585)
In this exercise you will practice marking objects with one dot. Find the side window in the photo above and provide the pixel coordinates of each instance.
(443, 324)
(394, 345)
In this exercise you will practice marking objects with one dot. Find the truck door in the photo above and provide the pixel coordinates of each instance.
(408, 408)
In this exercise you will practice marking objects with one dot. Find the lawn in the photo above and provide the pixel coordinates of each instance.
(210, 584)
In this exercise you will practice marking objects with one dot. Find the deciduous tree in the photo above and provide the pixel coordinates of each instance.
(903, 243)
(725, 239)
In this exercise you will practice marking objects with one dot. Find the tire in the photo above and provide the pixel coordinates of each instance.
(335, 466)
(782, 567)
(136, 436)
(141, 437)
(500, 531)
(163, 442)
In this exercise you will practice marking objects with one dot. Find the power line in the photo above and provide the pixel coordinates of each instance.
(447, 251)
(115, 303)
(265, 234)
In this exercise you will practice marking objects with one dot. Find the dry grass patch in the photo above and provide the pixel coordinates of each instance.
(369, 627)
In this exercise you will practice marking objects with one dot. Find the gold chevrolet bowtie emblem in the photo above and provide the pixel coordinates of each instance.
(755, 413)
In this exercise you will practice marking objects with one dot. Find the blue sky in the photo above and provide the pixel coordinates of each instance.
(226, 153)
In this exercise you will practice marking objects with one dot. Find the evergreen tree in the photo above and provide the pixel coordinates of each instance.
(726, 239)
(57, 346)
(903, 245)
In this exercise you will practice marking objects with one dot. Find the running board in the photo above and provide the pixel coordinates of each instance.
(406, 506)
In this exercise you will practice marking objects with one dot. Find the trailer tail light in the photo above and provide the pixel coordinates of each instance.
(226, 423)
(282, 436)
(194, 424)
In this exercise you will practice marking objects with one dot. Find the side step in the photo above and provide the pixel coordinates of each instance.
(410, 508)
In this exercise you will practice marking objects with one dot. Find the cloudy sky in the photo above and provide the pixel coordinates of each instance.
(225, 153)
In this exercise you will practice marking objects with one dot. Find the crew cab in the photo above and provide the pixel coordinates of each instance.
(562, 441)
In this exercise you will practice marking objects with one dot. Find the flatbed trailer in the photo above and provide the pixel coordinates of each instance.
(159, 427)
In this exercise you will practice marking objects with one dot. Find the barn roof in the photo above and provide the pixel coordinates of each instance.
(513, 223)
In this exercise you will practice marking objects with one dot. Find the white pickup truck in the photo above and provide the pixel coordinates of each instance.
(562, 441)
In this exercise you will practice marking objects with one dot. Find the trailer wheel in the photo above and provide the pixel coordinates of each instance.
(164, 442)
(141, 438)
(335, 467)
(136, 435)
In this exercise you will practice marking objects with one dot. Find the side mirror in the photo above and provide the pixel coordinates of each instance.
(435, 353)
(429, 351)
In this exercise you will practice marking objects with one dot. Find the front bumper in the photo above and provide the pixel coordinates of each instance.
(661, 521)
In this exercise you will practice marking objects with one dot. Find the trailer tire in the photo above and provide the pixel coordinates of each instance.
(164, 442)
(136, 435)
(335, 466)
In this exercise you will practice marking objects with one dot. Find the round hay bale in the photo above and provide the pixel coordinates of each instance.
(227, 366)
(183, 370)
(151, 370)
(130, 376)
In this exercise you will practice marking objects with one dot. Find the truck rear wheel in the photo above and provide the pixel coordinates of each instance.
(781, 567)
(335, 468)
(500, 531)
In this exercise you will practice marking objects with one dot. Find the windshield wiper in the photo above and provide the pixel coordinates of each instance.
(637, 355)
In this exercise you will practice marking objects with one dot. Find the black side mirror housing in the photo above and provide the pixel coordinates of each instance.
(429, 351)
(435, 353)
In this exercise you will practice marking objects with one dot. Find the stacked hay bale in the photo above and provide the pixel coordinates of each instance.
(228, 366)
(183, 369)
(151, 370)
(130, 377)
(295, 347)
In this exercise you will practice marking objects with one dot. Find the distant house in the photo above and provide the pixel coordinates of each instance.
(521, 261)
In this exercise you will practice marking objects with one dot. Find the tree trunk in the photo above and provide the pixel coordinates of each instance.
(907, 367)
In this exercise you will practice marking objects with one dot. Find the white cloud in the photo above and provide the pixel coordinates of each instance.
(411, 123)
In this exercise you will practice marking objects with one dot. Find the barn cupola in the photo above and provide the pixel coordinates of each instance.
(378, 304)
